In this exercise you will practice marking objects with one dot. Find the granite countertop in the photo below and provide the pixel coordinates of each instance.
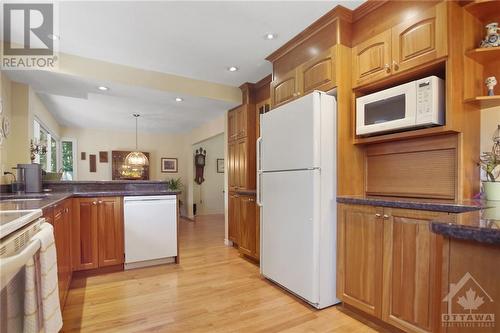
(413, 203)
(49, 199)
(474, 220)
(481, 225)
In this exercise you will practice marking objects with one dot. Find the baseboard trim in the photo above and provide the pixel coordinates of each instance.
(227, 242)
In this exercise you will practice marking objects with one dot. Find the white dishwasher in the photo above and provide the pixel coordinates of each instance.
(150, 230)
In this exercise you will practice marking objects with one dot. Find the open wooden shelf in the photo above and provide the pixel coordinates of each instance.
(484, 55)
(484, 9)
(485, 101)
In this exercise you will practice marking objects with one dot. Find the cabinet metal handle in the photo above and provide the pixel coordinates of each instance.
(294, 94)
(387, 68)
(298, 93)
(99, 202)
(251, 200)
(94, 203)
(378, 215)
(386, 216)
(395, 64)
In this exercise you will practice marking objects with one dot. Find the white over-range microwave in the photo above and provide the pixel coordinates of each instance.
(415, 104)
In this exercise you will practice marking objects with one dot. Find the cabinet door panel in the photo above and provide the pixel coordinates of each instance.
(232, 125)
(360, 257)
(420, 39)
(233, 223)
(412, 254)
(242, 165)
(241, 118)
(85, 249)
(111, 249)
(318, 73)
(372, 58)
(232, 167)
(283, 89)
(248, 232)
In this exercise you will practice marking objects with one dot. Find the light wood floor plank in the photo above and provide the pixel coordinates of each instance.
(212, 290)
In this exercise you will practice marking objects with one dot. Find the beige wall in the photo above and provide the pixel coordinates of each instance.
(490, 120)
(92, 141)
(208, 130)
(209, 196)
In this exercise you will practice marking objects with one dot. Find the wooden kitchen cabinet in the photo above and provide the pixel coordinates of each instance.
(318, 73)
(412, 271)
(98, 236)
(414, 42)
(233, 219)
(110, 231)
(371, 59)
(232, 130)
(420, 39)
(284, 88)
(360, 248)
(241, 122)
(59, 215)
(247, 243)
(242, 168)
(390, 265)
(85, 229)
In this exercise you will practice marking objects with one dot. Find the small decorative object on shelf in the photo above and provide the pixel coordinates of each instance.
(491, 82)
(37, 148)
(490, 163)
(492, 38)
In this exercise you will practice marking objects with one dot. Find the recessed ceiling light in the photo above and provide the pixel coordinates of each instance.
(103, 88)
(270, 36)
(179, 99)
(232, 69)
(53, 37)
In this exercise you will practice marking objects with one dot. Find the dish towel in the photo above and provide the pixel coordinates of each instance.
(41, 304)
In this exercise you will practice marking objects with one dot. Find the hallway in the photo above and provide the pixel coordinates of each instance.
(212, 290)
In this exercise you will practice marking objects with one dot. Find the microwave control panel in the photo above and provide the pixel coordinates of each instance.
(430, 101)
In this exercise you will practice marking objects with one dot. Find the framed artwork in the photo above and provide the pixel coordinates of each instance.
(83, 156)
(220, 165)
(169, 164)
(103, 157)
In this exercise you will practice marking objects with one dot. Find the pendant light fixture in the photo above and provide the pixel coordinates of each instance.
(136, 158)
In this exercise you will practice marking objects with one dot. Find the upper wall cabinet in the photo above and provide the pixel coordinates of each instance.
(420, 40)
(241, 122)
(317, 73)
(284, 88)
(412, 43)
(371, 58)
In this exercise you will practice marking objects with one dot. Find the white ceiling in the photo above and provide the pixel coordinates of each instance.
(193, 39)
(75, 102)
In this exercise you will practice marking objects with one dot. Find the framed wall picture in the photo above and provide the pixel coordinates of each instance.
(220, 165)
(103, 157)
(169, 164)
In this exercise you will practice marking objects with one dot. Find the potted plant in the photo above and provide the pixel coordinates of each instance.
(175, 184)
(490, 163)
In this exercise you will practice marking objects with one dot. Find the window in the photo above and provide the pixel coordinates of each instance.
(48, 161)
(68, 154)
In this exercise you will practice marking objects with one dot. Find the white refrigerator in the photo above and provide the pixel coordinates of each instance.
(296, 189)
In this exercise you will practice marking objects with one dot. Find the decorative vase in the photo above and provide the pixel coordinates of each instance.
(492, 191)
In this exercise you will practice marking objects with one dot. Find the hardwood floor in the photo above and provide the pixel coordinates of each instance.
(213, 289)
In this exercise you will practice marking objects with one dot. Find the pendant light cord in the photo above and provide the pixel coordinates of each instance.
(136, 145)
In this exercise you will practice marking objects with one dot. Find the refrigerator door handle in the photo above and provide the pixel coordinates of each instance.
(259, 172)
